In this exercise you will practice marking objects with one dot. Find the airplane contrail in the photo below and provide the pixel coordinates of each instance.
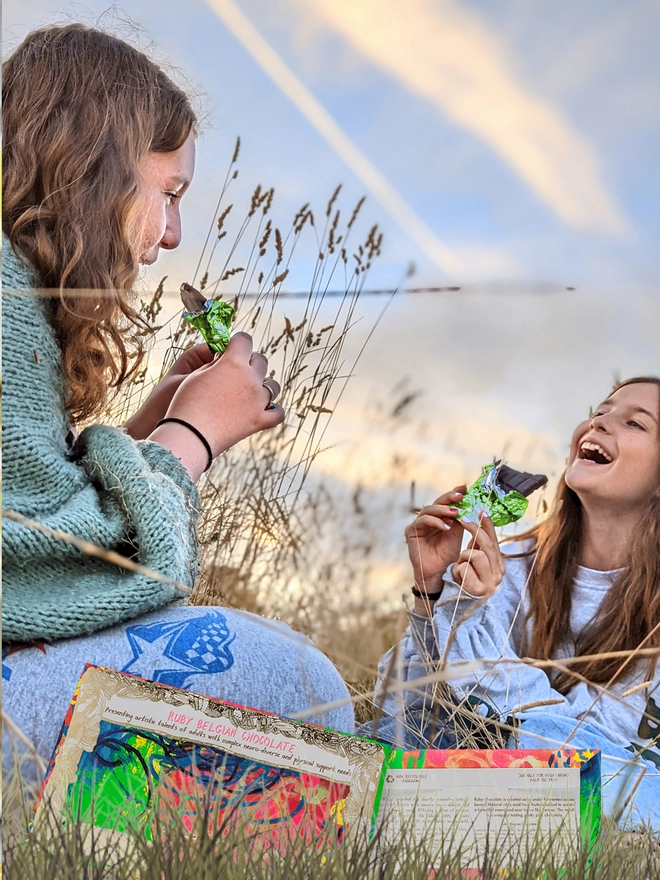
(382, 190)
(490, 288)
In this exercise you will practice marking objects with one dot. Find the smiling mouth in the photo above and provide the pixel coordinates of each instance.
(594, 453)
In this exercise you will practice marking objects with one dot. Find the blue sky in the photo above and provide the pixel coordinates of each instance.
(499, 143)
(523, 136)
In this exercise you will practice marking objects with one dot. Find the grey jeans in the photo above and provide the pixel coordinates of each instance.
(219, 652)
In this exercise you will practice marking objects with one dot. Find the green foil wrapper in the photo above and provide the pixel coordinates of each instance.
(214, 322)
(485, 494)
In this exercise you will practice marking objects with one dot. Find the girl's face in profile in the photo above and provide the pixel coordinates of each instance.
(165, 178)
(615, 455)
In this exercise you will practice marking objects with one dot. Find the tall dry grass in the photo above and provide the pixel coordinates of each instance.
(274, 537)
(278, 540)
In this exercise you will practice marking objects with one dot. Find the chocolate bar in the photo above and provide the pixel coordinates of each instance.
(192, 299)
(518, 481)
(500, 492)
(212, 317)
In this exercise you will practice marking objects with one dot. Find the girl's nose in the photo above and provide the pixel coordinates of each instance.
(172, 237)
(600, 422)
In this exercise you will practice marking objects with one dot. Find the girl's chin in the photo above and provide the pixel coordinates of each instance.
(150, 255)
(585, 474)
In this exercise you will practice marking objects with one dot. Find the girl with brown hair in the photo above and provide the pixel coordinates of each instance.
(585, 584)
(99, 148)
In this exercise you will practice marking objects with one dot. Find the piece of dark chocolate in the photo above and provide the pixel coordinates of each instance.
(192, 299)
(212, 317)
(518, 481)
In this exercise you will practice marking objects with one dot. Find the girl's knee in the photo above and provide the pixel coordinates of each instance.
(289, 671)
(327, 690)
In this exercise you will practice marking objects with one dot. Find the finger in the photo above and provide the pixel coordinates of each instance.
(192, 358)
(480, 562)
(439, 510)
(197, 356)
(273, 384)
(240, 346)
(436, 521)
(422, 523)
(486, 540)
(479, 537)
(488, 527)
(452, 497)
(480, 531)
(475, 572)
(458, 572)
(215, 360)
(272, 390)
(259, 364)
(470, 526)
(274, 417)
(465, 577)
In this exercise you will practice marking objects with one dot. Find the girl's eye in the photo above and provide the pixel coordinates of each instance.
(636, 424)
(172, 196)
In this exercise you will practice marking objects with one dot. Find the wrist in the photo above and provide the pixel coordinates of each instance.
(423, 607)
(426, 595)
(184, 445)
(136, 428)
(143, 421)
(426, 583)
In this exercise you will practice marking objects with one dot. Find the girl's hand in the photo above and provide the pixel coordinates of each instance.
(227, 400)
(144, 421)
(480, 567)
(434, 540)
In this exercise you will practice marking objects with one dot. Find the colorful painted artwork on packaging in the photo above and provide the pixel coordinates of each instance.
(132, 776)
(136, 755)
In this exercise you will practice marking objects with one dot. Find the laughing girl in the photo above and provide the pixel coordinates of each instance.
(586, 584)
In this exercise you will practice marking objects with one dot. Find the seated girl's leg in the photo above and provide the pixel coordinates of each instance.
(219, 652)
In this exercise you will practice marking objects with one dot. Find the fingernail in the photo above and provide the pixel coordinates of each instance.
(446, 526)
(454, 509)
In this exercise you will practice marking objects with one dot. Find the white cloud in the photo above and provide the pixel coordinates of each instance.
(335, 136)
(446, 54)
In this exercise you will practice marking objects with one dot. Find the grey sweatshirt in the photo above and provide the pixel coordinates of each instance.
(623, 720)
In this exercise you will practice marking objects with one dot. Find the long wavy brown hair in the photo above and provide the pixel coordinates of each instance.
(629, 616)
(81, 108)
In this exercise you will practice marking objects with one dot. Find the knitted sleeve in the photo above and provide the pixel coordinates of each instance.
(134, 497)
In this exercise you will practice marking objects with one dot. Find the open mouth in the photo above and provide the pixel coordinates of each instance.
(595, 453)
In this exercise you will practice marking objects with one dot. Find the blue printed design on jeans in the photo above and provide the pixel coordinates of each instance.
(6, 670)
(171, 652)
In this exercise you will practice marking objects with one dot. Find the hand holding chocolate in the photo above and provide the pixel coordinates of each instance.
(501, 492)
(212, 317)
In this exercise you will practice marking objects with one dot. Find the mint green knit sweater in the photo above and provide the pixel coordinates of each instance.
(107, 489)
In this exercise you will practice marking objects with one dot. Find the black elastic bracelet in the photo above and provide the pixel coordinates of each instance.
(195, 432)
(432, 597)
